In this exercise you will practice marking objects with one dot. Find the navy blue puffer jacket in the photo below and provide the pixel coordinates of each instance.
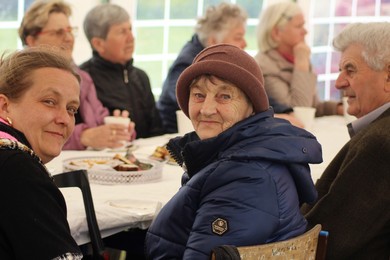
(242, 187)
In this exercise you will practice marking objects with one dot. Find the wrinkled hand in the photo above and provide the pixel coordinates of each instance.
(302, 56)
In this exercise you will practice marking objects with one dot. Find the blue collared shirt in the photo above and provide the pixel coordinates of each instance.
(361, 123)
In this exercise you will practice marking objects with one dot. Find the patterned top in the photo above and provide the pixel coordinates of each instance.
(33, 223)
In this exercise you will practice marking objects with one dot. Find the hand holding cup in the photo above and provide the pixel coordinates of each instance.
(120, 130)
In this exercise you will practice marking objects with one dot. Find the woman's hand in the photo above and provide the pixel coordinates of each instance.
(302, 56)
(106, 136)
(125, 113)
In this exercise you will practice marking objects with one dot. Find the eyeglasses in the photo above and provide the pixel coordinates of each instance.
(61, 33)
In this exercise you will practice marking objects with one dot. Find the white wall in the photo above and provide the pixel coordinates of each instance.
(82, 50)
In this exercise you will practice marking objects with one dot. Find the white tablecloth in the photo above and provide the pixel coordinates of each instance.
(332, 134)
(124, 206)
(134, 205)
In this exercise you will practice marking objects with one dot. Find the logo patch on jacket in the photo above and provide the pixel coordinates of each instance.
(219, 226)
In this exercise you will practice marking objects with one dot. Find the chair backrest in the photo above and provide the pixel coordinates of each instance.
(304, 246)
(79, 179)
(322, 245)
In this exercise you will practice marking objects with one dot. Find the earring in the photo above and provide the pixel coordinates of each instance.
(9, 121)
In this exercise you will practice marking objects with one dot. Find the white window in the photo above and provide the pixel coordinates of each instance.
(162, 27)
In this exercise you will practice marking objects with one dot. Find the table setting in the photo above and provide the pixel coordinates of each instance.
(132, 201)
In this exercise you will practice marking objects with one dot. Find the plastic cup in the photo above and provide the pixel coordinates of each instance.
(117, 120)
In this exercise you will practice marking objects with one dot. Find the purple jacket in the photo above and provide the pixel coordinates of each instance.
(91, 111)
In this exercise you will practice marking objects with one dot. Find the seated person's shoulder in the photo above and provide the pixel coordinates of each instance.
(11, 164)
(267, 63)
(140, 71)
(85, 66)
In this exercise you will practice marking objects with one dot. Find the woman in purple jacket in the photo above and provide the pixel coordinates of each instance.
(47, 23)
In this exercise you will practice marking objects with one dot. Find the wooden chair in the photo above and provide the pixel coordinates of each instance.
(310, 245)
(79, 179)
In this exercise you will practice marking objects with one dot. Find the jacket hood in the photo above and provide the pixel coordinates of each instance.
(258, 138)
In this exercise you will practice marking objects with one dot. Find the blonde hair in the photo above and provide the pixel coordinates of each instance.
(37, 16)
(17, 67)
(218, 20)
(274, 15)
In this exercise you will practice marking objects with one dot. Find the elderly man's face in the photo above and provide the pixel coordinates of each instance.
(365, 88)
(216, 105)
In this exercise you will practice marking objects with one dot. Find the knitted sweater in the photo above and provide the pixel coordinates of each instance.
(33, 222)
(354, 196)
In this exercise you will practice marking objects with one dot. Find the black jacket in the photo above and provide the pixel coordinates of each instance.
(33, 222)
(126, 87)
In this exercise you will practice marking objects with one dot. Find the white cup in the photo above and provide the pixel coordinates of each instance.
(184, 124)
(305, 115)
(348, 118)
(125, 121)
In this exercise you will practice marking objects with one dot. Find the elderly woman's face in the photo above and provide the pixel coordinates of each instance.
(235, 36)
(55, 33)
(216, 105)
(293, 32)
(118, 47)
(45, 113)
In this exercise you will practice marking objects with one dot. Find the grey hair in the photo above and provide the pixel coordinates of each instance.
(274, 15)
(373, 37)
(99, 19)
(218, 20)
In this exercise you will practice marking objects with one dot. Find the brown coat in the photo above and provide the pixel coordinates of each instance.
(354, 196)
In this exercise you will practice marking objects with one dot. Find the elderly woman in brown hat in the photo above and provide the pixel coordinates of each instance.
(246, 172)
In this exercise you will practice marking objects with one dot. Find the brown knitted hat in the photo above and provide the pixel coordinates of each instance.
(230, 63)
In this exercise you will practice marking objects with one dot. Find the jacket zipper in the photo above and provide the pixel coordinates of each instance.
(125, 76)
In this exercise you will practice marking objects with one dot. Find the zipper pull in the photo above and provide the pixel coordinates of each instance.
(125, 76)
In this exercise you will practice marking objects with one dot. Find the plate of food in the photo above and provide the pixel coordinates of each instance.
(161, 154)
(116, 169)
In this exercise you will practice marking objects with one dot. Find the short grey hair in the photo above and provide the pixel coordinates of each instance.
(99, 19)
(274, 15)
(218, 20)
(373, 37)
